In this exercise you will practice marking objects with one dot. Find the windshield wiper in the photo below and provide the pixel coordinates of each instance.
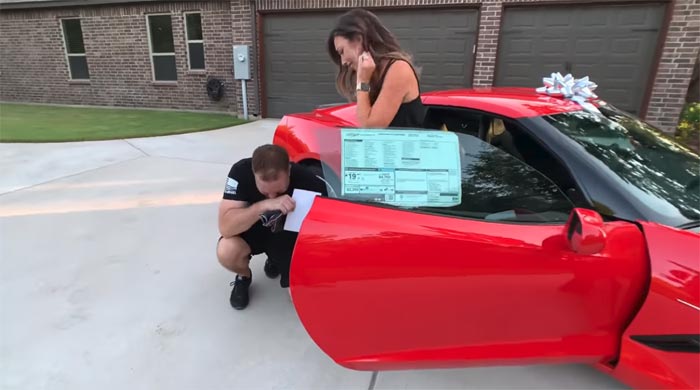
(689, 225)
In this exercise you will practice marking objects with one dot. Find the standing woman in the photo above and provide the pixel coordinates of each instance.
(375, 72)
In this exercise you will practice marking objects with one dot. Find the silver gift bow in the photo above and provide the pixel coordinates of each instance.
(577, 90)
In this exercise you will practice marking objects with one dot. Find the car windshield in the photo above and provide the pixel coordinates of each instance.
(660, 173)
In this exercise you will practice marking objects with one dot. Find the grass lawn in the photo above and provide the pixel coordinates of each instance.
(37, 123)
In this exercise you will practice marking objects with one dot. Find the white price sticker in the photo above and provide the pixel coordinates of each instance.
(407, 168)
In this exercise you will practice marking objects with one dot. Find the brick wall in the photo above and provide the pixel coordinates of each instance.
(34, 67)
(33, 64)
(680, 53)
(671, 83)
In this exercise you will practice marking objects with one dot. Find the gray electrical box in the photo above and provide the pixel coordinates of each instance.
(241, 62)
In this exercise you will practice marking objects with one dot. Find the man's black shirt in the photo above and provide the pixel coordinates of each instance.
(240, 184)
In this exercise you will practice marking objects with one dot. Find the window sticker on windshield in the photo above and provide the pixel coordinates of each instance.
(405, 168)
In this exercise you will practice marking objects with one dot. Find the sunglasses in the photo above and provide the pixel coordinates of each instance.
(271, 219)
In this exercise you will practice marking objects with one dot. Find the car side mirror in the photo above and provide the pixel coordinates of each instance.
(584, 232)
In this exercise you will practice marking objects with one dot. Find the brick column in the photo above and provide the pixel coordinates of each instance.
(242, 30)
(680, 52)
(487, 46)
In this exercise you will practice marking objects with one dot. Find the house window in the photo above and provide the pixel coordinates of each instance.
(162, 46)
(75, 49)
(195, 42)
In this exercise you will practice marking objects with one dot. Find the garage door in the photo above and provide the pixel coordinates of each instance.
(299, 75)
(614, 45)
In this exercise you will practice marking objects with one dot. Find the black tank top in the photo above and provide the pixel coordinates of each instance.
(410, 114)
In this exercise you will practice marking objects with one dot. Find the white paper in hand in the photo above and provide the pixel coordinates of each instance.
(304, 199)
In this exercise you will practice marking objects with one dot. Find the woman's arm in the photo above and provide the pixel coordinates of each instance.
(397, 83)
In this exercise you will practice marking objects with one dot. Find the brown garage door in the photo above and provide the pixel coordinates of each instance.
(299, 75)
(613, 44)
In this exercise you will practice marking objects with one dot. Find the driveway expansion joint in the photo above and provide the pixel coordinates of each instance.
(137, 148)
(68, 176)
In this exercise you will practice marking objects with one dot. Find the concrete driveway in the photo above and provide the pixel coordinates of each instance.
(109, 280)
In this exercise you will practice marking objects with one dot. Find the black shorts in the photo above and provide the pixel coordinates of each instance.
(257, 238)
(277, 246)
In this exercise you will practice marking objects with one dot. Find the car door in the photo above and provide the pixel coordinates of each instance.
(661, 347)
(505, 271)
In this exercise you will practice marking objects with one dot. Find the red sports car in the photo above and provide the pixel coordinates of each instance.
(531, 231)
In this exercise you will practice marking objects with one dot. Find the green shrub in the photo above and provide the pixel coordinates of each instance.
(688, 131)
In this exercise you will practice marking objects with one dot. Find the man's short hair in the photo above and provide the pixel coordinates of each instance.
(269, 161)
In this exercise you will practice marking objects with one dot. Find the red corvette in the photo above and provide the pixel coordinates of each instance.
(531, 231)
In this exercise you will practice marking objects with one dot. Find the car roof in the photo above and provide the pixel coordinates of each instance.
(512, 102)
(509, 102)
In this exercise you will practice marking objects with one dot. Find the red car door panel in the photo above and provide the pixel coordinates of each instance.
(656, 348)
(380, 288)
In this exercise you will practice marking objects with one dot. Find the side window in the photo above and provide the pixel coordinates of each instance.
(514, 140)
(456, 120)
(162, 47)
(75, 49)
(496, 186)
(452, 174)
(195, 40)
(508, 136)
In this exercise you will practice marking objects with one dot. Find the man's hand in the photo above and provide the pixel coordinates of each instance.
(284, 203)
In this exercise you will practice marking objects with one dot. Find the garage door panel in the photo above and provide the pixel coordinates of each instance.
(551, 46)
(456, 69)
(625, 45)
(452, 46)
(529, 47)
(594, 20)
(425, 46)
(563, 21)
(636, 18)
(524, 22)
(596, 46)
(521, 74)
(294, 45)
(591, 18)
(623, 71)
(613, 44)
(556, 18)
(297, 68)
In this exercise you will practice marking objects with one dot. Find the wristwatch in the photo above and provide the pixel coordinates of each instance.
(364, 87)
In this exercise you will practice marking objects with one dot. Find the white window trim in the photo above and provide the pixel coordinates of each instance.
(65, 48)
(151, 54)
(188, 41)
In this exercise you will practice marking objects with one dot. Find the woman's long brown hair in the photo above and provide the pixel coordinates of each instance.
(376, 39)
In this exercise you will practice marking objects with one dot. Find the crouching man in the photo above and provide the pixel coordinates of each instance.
(254, 187)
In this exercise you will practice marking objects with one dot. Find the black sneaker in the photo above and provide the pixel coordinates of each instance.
(284, 280)
(239, 294)
(271, 269)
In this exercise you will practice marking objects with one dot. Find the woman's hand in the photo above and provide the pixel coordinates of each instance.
(365, 67)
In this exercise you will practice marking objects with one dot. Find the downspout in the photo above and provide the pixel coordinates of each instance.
(254, 49)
